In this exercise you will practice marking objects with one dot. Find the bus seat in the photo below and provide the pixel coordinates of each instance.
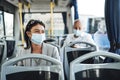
(3, 54)
(12, 71)
(71, 53)
(1, 51)
(62, 42)
(99, 71)
(50, 40)
(62, 39)
(10, 47)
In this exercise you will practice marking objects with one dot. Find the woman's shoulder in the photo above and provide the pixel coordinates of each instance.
(22, 51)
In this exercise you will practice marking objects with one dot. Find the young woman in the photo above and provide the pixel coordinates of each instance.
(34, 37)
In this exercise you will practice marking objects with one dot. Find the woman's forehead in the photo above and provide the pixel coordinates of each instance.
(38, 26)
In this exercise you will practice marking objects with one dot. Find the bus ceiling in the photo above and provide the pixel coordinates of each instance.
(42, 5)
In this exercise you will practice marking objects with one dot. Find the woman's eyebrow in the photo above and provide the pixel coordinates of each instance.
(38, 29)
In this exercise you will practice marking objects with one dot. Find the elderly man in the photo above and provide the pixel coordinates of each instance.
(78, 35)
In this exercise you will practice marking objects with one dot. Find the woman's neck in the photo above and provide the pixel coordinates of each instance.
(36, 48)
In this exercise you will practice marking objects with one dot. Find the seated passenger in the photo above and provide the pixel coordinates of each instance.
(34, 37)
(78, 35)
(101, 38)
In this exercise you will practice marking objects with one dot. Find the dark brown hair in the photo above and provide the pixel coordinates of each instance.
(29, 26)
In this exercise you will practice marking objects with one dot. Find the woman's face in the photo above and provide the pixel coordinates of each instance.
(39, 29)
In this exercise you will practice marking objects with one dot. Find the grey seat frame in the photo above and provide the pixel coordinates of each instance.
(8, 67)
(76, 65)
(68, 48)
(4, 53)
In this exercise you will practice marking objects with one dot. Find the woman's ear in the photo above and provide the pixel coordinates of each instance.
(29, 34)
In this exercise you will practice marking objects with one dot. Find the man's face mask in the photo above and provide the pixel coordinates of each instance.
(77, 32)
(37, 38)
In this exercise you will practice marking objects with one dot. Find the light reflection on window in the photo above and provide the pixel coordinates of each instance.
(1, 25)
(58, 25)
(8, 24)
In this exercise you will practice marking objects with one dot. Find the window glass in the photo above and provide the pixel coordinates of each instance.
(8, 23)
(1, 25)
(90, 13)
(58, 25)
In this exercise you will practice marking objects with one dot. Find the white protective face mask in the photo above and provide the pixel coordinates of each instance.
(77, 32)
(37, 38)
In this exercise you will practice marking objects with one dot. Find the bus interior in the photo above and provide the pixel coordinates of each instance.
(59, 18)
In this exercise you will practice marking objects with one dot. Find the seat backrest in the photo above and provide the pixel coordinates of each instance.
(12, 71)
(1, 51)
(101, 71)
(10, 47)
(3, 54)
(50, 40)
(71, 53)
(62, 40)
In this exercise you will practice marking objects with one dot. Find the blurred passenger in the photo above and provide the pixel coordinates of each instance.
(101, 38)
(34, 37)
(78, 35)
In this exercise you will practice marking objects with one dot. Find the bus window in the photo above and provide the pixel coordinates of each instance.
(8, 24)
(89, 14)
(91, 17)
(58, 25)
(1, 25)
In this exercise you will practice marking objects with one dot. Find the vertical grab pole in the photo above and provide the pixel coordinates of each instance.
(21, 24)
(28, 7)
(51, 19)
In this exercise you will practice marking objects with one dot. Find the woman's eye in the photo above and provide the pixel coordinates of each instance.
(37, 31)
(43, 31)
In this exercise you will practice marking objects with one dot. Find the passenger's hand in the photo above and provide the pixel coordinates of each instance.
(76, 46)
